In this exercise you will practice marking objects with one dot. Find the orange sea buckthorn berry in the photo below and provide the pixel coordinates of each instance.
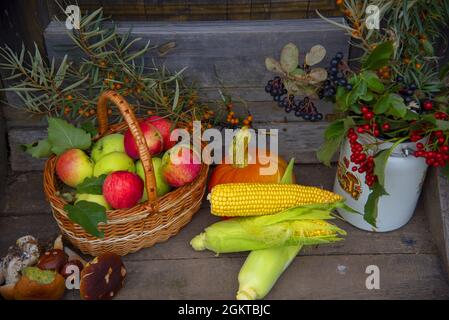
(69, 97)
(418, 65)
(250, 118)
(246, 122)
(80, 111)
(149, 112)
(117, 86)
(92, 112)
(87, 113)
(339, 2)
(109, 111)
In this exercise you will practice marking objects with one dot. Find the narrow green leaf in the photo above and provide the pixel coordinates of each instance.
(287, 178)
(75, 84)
(176, 98)
(60, 74)
(88, 215)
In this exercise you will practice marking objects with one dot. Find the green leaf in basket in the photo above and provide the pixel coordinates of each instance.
(88, 215)
(39, 149)
(92, 185)
(63, 136)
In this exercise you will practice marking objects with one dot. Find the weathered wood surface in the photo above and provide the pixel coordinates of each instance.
(181, 10)
(436, 204)
(235, 50)
(18, 159)
(407, 258)
(298, 139)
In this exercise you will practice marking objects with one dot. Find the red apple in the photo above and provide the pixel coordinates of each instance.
(122, 189)
(179, 166)
(73, 166)
(152, 136)
(165, 127)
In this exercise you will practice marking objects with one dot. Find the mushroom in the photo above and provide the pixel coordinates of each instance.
(38, 284)
(23, 254)
(102, 277)
(53, 260)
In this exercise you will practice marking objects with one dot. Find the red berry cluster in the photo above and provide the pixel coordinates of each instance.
(371, 126)
(416, 135)
(363, 163)
(438, 157)
(441, 115)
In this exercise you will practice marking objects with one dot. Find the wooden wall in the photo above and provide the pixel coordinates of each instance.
(203, 10)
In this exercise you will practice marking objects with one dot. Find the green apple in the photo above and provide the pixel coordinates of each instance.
(106, 145)
(114, 161)
(162, 186)
(95, 198)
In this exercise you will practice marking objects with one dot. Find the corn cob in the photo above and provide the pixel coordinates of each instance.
(262, 269)
(297, 226)
(247, 199)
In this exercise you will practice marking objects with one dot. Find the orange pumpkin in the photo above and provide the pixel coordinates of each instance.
(230, 173)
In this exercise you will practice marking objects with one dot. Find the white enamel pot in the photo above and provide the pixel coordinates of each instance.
(404, 176)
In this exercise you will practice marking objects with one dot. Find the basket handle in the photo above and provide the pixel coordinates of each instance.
(133, 124)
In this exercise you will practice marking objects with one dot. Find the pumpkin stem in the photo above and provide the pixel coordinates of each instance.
(239, 148)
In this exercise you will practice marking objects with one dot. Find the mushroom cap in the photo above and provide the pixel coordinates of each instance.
(37, 284)
(54, 259)
(102, 277)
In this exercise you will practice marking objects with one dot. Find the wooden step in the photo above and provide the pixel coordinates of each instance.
(410, 267)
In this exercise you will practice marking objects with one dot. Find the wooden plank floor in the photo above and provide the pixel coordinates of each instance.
(409, 265)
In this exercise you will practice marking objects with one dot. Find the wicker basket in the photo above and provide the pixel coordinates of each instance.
(129, 230)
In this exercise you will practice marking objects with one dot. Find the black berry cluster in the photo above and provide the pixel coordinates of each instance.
(335, 77)
(276, 88)
(302, 108)
(407, 91)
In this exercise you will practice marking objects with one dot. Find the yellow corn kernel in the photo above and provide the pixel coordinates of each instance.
(248, 199)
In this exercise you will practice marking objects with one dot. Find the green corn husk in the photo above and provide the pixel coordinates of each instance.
(303, 225)
(261, 270)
